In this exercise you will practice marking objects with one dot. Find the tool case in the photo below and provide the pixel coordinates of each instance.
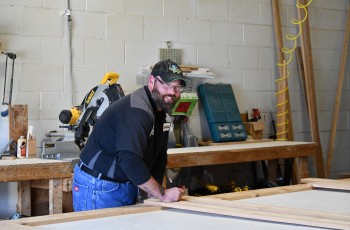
(222, 113)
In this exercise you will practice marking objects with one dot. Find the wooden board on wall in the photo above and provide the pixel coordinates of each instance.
(18, 119)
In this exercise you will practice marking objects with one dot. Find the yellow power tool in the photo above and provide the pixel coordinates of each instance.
(81, 118)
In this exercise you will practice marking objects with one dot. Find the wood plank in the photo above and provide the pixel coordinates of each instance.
(18, 121)
(210, 142)
(261, 192)
(55, 196)
(33, 169)
(327, 183)
(282, 108)
(338, 96)
(225, 154)
(270, 208)
(310, 88)
(14, 226)
(44, 184)
(24, 198)
(281, 58)
(258, 212)
(84, 215)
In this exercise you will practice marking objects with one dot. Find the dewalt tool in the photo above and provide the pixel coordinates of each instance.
(81, 118)
(212, 188)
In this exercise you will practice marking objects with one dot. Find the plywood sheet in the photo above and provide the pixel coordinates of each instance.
(312, 200)
(168, 220)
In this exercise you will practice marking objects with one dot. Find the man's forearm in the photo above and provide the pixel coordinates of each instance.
(153, 188)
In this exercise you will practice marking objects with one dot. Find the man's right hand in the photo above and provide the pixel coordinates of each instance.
(172, 194)
(156, 190)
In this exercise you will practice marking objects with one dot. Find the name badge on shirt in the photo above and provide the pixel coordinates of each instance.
(166, 127)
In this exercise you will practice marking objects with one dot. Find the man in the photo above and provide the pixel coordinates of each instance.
(127, 149)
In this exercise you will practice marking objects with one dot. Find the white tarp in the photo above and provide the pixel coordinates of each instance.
(4, 131)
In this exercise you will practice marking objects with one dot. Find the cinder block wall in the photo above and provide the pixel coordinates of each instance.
(233, 38)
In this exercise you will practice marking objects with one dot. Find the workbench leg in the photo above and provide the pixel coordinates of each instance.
(302, 169)
(55, 196)
(23, 198)
(272, 171)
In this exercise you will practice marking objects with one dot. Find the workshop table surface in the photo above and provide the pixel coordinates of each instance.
(33, 169)
(240, 152)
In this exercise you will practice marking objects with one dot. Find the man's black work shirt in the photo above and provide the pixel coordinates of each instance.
(129, 140)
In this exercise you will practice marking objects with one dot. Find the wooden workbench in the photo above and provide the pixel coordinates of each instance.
(23, 171)
(244, 152)
(286, 208)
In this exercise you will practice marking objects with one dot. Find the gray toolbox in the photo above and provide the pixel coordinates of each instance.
(222, 113)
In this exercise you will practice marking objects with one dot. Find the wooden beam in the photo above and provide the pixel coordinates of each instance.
(310, 88)
(281, 58)
(282, 107)
(301, 71)
(338, 96)
(261, 192)
(23, 198)
(77, 216)
(226, 154)
(55, 196)
(327, 183)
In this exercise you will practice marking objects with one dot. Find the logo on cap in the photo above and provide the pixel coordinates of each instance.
(175, 69)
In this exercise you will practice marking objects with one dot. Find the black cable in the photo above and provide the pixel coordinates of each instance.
(3, 97)
(11, 83)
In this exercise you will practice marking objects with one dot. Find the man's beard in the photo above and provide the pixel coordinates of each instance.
(160, 102)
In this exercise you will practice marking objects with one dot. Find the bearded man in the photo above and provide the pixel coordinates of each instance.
(126, 152)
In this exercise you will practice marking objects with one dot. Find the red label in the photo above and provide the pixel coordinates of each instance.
(23, 150)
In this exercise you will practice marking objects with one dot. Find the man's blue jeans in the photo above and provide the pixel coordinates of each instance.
(92, 193)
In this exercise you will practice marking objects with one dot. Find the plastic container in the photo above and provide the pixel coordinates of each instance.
(21, 147)
(222, 113)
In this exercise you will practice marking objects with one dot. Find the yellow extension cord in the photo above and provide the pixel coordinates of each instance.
(289, 52)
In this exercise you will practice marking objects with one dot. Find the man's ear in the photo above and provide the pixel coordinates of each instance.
(151, 82)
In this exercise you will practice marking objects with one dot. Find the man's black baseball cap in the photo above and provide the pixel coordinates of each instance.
(168, 71)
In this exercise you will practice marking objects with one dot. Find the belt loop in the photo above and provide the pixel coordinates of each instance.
(81, 164)
(99, 176)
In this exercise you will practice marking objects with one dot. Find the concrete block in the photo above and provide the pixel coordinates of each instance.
(257, 80)
(161, 29)
(244, 57)
(194, 31)
(91, 25)
(256, 35)
(267, 58)
(100, 52)
(326, 59)
(38, 78)
(329, 19)
(41, 22)
(227, 33)
(213, 55)
(266, 14)
(145, 8)
(239, 9)
(175, 8)
(106, 6)
(87, 77)
(208, 10)
(56, 46)
(124, 27)
(141, 53)
(10, 20)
